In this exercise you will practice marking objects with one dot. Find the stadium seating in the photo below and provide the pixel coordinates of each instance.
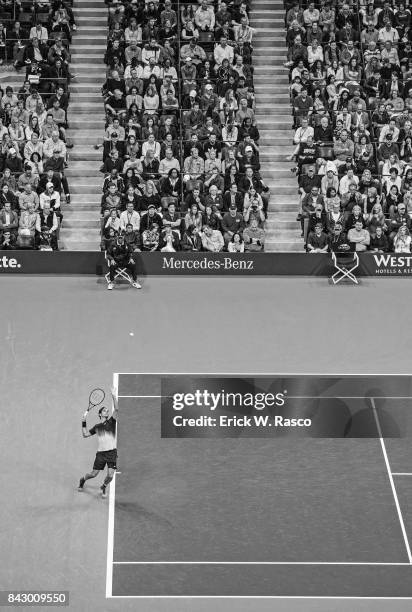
(351, 95)
(181, 145)
(34, 41)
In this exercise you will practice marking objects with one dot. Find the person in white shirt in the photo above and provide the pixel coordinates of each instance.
(393, 180)
(151, 51)
(50, 197)
(151, 144)
(39, 32)
(151, 68)
(223, 51)
(136, 72)
(390, 128)
(301, 135)
(113, 221)
(130, 215)
(133, 33)
(212, 240)
(205, 17)
(243, 32)
(303, 132)
(315, 53)
(54, 144)
(168, 162)
(402, 240)
(347, 180)
(388, 33)
(311, 15)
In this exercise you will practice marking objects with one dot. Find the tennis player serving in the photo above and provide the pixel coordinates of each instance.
(106, 443)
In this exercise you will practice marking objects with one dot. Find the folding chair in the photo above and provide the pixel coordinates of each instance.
(345, 264)
(120, 273)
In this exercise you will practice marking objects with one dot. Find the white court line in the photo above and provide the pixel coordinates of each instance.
(401, 473)
(252, 597)
(395, 495)
(348, 563)
(110, 525)
(110, 538)
(276, 374)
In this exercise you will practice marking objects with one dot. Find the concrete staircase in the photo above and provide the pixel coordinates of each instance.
(274, 120)
(80, 231)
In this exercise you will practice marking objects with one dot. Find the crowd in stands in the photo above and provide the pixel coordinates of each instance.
(35, 39)
(181, 145)
(351, 91)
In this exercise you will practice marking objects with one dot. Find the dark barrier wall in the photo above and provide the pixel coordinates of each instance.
(208, 264)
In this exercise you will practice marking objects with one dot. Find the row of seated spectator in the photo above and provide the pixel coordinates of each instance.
(29, 31)
(181, 144)
(33, 123)
(351, 92)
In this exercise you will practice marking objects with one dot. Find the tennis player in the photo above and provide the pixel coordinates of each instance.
(106, 445)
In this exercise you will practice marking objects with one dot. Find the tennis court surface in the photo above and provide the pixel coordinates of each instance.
(263, 511)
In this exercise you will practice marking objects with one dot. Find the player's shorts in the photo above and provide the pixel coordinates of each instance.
(105, 457)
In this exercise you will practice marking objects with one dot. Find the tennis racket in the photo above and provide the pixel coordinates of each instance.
(96, 397)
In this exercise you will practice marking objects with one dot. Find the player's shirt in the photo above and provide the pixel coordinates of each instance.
(106, 434)
(121, 253)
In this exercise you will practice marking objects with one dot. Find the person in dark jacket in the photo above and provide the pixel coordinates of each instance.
(337, 240)
(191, 240)
(379, 241)
(120, 255)
(232, 223)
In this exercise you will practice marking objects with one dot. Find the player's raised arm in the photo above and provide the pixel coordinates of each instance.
(115, 403)
(85, 431)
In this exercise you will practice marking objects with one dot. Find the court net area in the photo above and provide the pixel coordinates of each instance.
(254, 508)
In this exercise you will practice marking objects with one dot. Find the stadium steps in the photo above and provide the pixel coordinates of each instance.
(81, 223)
(274, 119)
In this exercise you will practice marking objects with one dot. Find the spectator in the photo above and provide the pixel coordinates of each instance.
(171, 218)
(47, 225)
(191, 240)
(212, 240)
(236, 244)
(27, 227)
(129, 217)
(359, 237)
(169, 240)
(317, 240)
(132, 238)
(344, 148)
(9, 220)
(223, 51)
(379, 241)
(151, 237)
(205, 17)
(402, 240)
(7, 240)
(232, 223)
(254, 237)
